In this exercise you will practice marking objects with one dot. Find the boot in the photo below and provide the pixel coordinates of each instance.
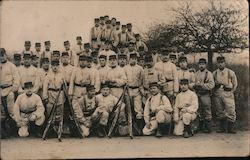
(207, 128)
(231, 128)
(158, 132)
(187, 129)
(221, 128)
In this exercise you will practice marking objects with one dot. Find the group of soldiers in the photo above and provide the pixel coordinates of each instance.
(161, 87)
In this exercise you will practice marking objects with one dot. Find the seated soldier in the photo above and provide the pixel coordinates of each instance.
(28, 108)
(84, 108)
(105, 104)
(157, 111)
(186, 106)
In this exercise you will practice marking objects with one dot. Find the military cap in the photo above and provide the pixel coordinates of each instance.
(124, 26)
(202, 60)
(86, 44)
(27, 43)
(26, 55)
(152, 84)
(65, 53)
(78, 37)
(118, 23)
(221, 59)
(17, 56)
(97, 19)
(148, 58)
(108, 22)
(94, 53)
(137, 35)
(113, 56)
(2, 51)
(105, 85)
(43, 60)
(82, 58)
(90, 87)
(28, 84)
(102, 18)
(184, 81)
(34, 57)
(165, 51)
(56, 53)
(141, 48)
(103, 56)
(132, 55)
(113, 18)
(172, 56)
(55, 62)
(122, 56)
(37, 44)
(66, 42)
(182, 58)
(106, 16)
(129, 24)
(47, 42)
(89, 58)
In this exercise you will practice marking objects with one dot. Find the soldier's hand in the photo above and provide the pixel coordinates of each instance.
(32, 117)
(187, 105)
(183, 110)
(148, 125)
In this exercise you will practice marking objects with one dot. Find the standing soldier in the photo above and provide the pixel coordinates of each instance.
(150, 75)
(51, 89)
(55, 55)
(107, 33)
(80, 78)
(95, 34)
(139, 43)
(155, 55)
(94, 74)
(87, 51)
(170, 87)
(122, 49)
(131, 48)
(71, 57)
(140, 61)
(134, 74)
(17, 60)
(157, 111)
(27, 46)
(28, 108)
(116, 77)
(225, 86)
(130, 33)
(29, 73)
(204, 83)
(115, 32)
(84, 109)
(173, 59)
(105, 104)
(102, 23)
(66, 68)
(9, 81)
(186, 106)
(184, 72)
(77, 50)
(43, 72)
(47, 53)
(35, 61)
(113, 22)
(122, 60)
(38, 52)
(123, 36)
(103, 69)
(94, 56)
(107, 50)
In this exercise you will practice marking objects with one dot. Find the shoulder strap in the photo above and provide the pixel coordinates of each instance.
(205, 79)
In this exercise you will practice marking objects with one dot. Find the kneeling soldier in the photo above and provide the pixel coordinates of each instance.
(105, 104)
(186, 106)
(84, 108)
(157, 111)
(28, 108)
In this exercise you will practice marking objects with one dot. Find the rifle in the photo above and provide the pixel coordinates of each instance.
(51, 115)
(79, 129)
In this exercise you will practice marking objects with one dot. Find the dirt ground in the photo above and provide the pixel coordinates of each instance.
(169, 146)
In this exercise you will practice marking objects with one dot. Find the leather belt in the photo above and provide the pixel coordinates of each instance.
(79, 85)
(28, 112)
(6, 86)
(54, 89)
(94, 39)
(133, 87)
(169, 80)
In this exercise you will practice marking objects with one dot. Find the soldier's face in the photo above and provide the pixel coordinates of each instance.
(123, 29)
(164, 57)
(221, 65)
(105, 91)
(202, 66)
(79, 41)
(117, 27)
(108, 46)
(82, 63)
(183, 64)
(87, 48)
(27, 61)
(95, 59)
(27, 47)
(55, 57)
(131, 47)
(17, 62)
(3, 58)
(154, 90)
(132, 61)
(149, 64)
(113, 62)
(91, 93)
(173, 60)
(141, 63)
(96, 24)
(184, 87)
(28, 91)
(47, 46)
(65, 59)
(38, 48)
(122, 61)
(137, 38)
(45, 65)
(35, 62)
(89, 64)
(55, 68)
(102, 62)
(67, 46)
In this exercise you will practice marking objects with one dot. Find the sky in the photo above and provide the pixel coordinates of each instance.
(57, 21)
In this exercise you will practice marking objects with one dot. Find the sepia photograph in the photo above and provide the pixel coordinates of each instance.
(84, 79)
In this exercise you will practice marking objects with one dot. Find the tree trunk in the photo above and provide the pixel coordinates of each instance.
(210, 59)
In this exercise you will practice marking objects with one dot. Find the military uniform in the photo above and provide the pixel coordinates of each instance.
(9, 82)
(70, 52)
(77, 51)
(42, 75)
(47, 53)
(95, 35)
(94, 75)
(204, 83)
(140, 43)
(186, 106)
(103, 71)
(28, 109)
(130, 33)
(27, 50)
(123, 36)
(225, 85)
(157, 112)
(115, 32)
(38, 52)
